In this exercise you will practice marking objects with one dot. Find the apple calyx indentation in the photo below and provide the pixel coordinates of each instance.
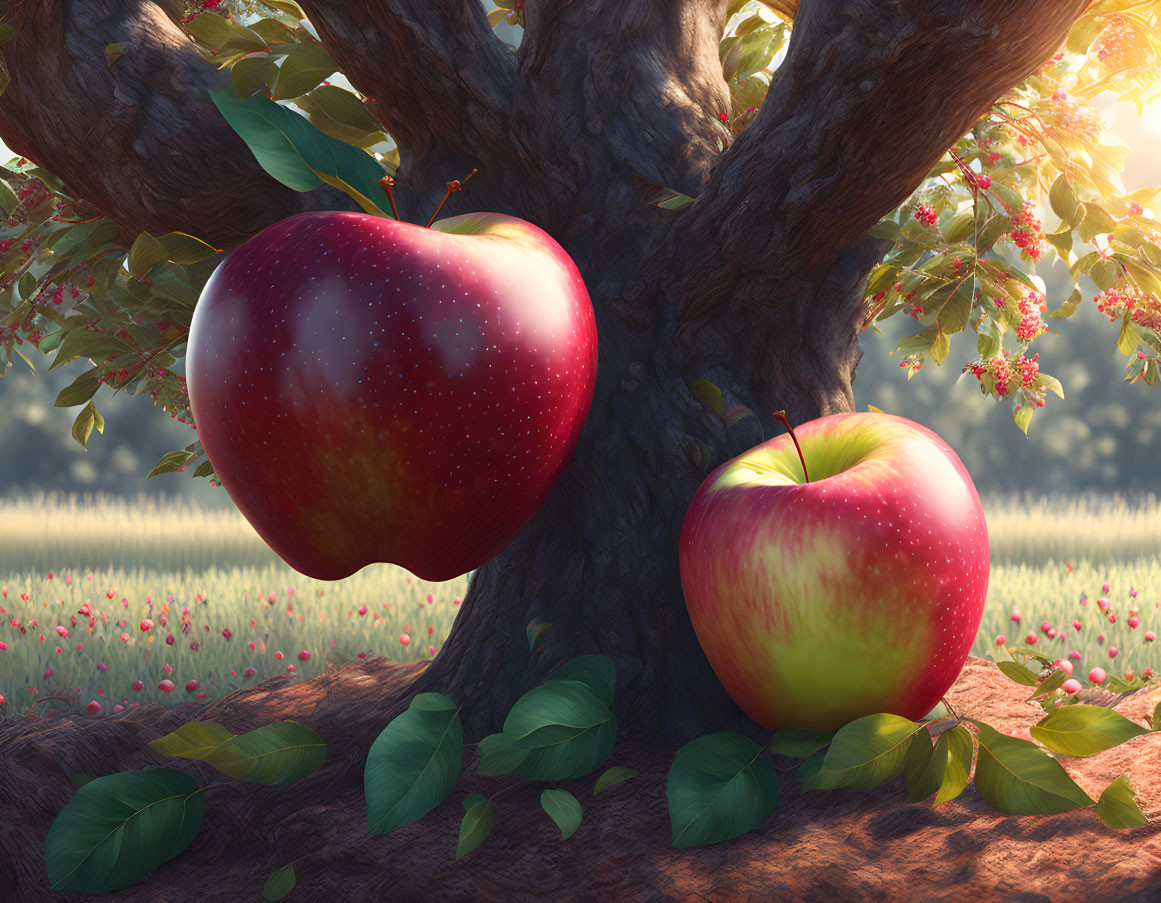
(780, 417)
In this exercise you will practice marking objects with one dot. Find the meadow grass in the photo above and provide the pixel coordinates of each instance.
(206, 570)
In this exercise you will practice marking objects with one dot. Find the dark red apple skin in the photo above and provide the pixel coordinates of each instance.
(370, 390)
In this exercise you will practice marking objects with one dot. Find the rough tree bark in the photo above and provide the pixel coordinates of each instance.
(756, 287)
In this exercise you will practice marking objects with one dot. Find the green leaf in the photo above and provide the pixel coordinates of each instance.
(85, 421)
(8, 199)
(479, 821)
(956, 746)
(1062, 241)
(1118, 807)
(1068, 308)
(676, 201)
(252, 74)
(171, 462)
(1130, 336)
(1017, 777)
(867, 752)
(1096, 222)
(81, 342)
(279, 884)
(597, 671)
(710, 395)
(303, 69)
(221, 34)
(1081, 730)
(536, 629)
(120, 827)
(296, 153)
(887, 228)
(563, 729)
(719, 786)
(614, 775)
(193, 740)
(78, 391)
(988, 340)
(145, 254)
(186, 249)
(1022, 415)
(922, 769)
(274, 754)
(1052, 383)
(345, 108)
(799, 744)
(1064, 201)
(79, 780)
(564, 809)
(960, 226)
(413, 764)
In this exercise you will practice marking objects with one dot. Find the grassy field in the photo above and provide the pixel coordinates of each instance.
(99, 586)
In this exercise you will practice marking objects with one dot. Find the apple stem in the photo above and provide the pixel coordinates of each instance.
(780, 416)
(455, 185)
(387, 182)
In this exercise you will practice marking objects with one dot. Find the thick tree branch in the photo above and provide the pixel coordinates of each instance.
(140, 139)
(865, 103)
(435, 75)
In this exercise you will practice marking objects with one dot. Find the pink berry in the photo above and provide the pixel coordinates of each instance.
(191, 686)
(278, 656)
(1064, 665)
(1070, 686)
(146, 625)
(1015, 615)
(404, 639)
(1097, 675)
(1077, 624)
(1134, 622)
(1113, 652)
(1001, 640)
(1150, 636)
(1030, 639)
(1148, 672)
(984, 180)
(362, 609)
(137, 685)
(93, 707)
(304, 655)
(166, 685)
(250, 672)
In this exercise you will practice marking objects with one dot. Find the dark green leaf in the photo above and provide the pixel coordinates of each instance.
(887, 228)
(799, 744)
(1118, 807)
(1081, 730)
(1052, 682)
(304, 67)
(193, 740)
(710, 395)
(563, 728)
(279, 884)
(956, 746)
(78, 391)
(344, 108)
(867, 752)
(612, 776)
(1017, 777)
(922, 769)
(598, 671)
(564, 809)
(719, 786)
(81, 342)
(120, 827)
(1019, 673)
(296, 153)
(479, 821)
(413, 764)
(170, 462)
(145, 254)
(274, 754)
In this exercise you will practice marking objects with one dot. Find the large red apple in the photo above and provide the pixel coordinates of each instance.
(374, 390)
(858, 592)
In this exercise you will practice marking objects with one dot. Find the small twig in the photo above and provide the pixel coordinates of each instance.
(454, 185)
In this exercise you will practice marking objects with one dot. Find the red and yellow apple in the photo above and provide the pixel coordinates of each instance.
(374, 390)
(857, 592)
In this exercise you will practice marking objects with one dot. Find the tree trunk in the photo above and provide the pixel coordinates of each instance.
(756, 287)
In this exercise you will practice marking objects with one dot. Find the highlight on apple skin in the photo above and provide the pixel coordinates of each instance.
(372, 390)
(859, 592)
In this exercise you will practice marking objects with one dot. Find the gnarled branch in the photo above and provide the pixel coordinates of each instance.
(140, 139)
